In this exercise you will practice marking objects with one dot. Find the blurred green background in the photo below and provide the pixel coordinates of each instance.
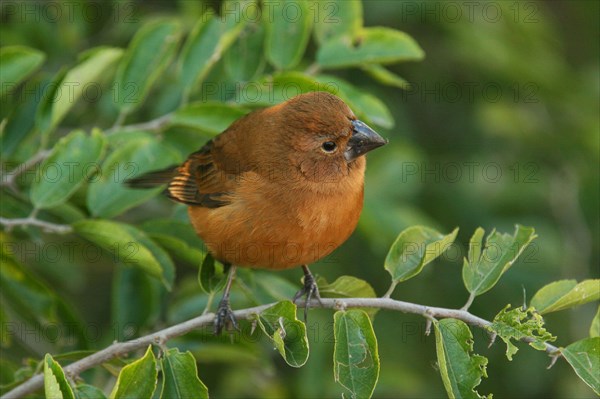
(500, 126)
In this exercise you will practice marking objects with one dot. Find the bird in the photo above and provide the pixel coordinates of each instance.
(281, 187)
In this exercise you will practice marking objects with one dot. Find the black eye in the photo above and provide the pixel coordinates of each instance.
(329, 146)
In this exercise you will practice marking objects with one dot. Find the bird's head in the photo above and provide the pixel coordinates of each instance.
(324, 139)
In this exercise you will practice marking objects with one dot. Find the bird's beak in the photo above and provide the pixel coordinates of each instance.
(363, 140)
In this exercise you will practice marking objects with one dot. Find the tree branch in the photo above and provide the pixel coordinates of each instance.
(121, 348)
(32, 221)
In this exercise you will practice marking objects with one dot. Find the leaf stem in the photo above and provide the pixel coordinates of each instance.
(467, 305)
(121, 348)
(390, 290)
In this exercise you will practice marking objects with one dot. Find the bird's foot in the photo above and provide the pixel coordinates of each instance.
(310, 290)
(224, 317)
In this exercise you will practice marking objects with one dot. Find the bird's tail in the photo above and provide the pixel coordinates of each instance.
(153, 179)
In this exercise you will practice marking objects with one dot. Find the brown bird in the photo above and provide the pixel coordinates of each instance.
(281, 187)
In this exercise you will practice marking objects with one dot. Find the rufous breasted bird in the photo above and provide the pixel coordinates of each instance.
(281, 187)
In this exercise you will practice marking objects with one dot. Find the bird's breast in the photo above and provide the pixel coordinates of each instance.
(269, 226)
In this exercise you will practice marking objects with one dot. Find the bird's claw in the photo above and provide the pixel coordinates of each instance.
(224, 318)
(310, 290)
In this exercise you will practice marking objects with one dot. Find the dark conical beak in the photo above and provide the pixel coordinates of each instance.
(363, 140)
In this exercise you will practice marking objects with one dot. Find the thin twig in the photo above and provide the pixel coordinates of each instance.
(33, 221)
(154, 125)
(10, 177)
(313, 69)
(121, 348)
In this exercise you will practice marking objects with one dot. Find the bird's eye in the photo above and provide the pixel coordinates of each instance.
(329, 146)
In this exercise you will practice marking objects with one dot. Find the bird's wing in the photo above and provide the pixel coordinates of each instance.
(203, 180)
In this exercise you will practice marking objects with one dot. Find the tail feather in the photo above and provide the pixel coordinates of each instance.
(153, 179)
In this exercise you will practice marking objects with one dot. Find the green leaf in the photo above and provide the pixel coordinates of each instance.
(43, 114)
(210, 279)
(367, 107)
(377, 45)
(565, 294)
(17, 63)
(345, 287)
(518, 324)
(336, 18)
(147, 56)
(460, 368)
(91, 65)
(595, 326)
(19, 125)
(137, 379)
(55, 383)
(584, 357)
(85, 391)
(179, 238)
(288, 334)
(355, 356)
(384, 76)
(205, 45)
(212, 117)
(485, 265)
(288, 29)
(128, 246)
(107, 196)
(72, 160)
(244, 59)
(414, 248)
(180, 375)
(280, 87)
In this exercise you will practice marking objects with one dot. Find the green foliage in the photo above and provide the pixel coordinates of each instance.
(129, 246)
(107, 196)
(147, 56)
(18, 62)
(209, 39)
(584, 357)
(565, 294)
(288, 334)
(72, 83)
(355, 356)
(348, 19)
(521, 325)
(71, 153)
(414, 248)
(460, 368)
(347, 287)
(369, 46)
(137, 379)
(55, 382)
(210, 118)
(286, 42)
(485, 264)
(180, 376)
(166, 86)
(210, 278)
